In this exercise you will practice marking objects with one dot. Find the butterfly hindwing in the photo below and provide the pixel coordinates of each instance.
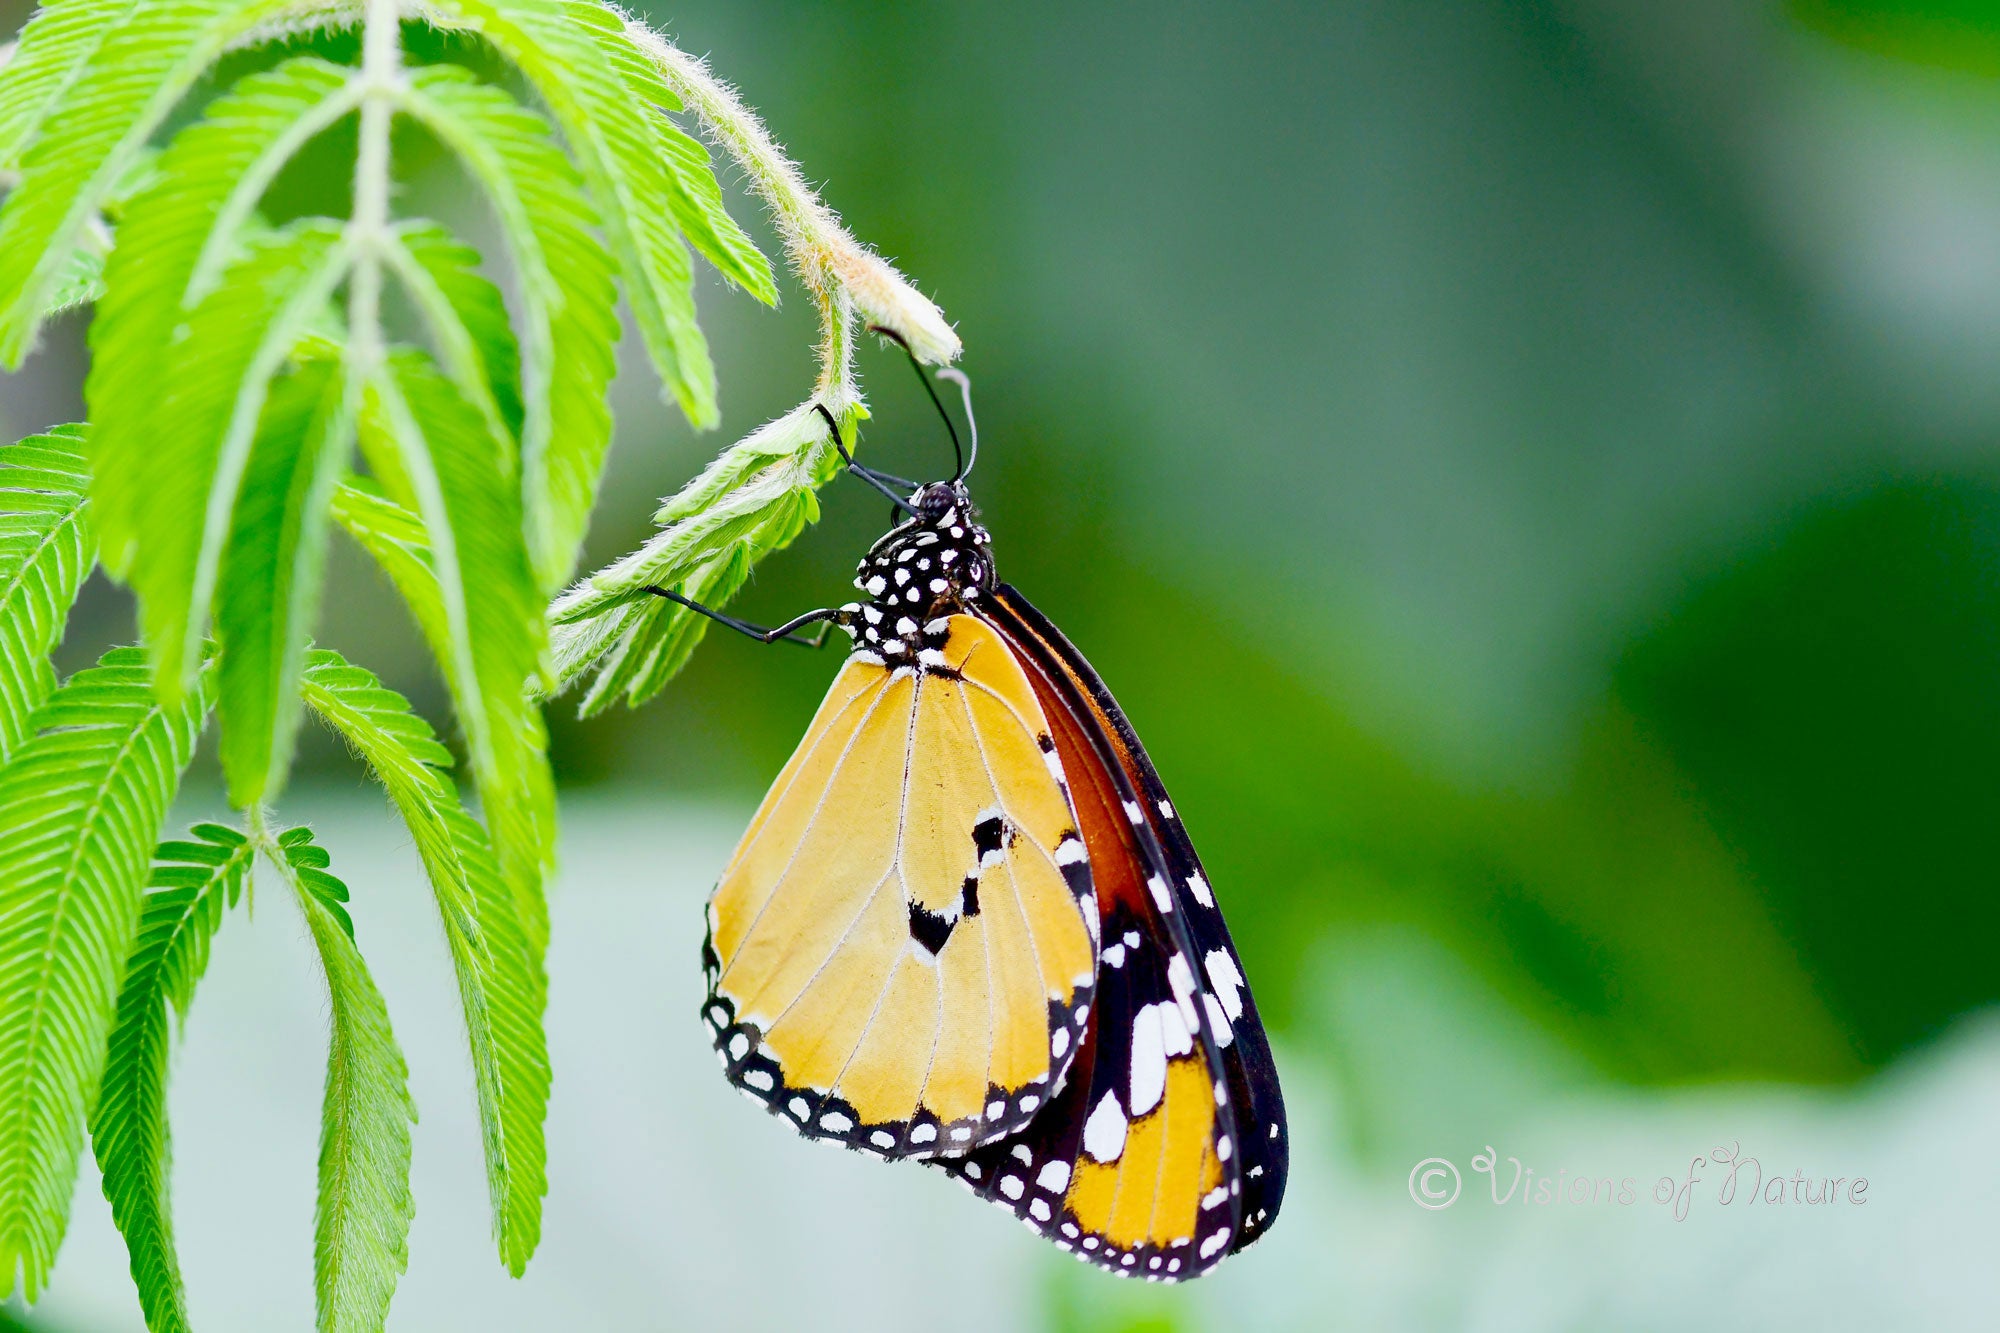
(901, 951)
(1251, 1074)
(1138, 1165)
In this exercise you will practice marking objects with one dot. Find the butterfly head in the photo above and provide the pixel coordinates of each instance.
(923, 571)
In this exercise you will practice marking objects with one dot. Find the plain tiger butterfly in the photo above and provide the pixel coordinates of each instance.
(966, 925)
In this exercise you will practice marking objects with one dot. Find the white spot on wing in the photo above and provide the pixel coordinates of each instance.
(1174, 1032)
(1134, 813)
(1218, 1023)
(1227, 980)
(1114, 955)
(923, 1133)
(1104, 1132)
(1054, 1178)
(1069, 851)
(1163, 897)
(1199, 888)
(1181, 977)
(1149, 1060)
(759, 1079)
(1011, 1186)
(1167, 809)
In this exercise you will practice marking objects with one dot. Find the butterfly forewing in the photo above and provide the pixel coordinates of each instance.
(901, 952)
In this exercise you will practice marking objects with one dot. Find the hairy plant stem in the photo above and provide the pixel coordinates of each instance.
(843, 275)
(368, 226)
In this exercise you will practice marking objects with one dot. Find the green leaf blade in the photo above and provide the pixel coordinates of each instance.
(95, 131)
(55, 44)
(268, 594)
(481, 612)
(694, 194)
(47, 546)
(361, 1226)
(219, 374)
(556, 47)
(174, 238)
(81, 803)
(569, 300)
(753, 500)
(191, 885)
(502, 986)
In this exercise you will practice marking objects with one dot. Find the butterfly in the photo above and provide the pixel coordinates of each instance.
(966, 925)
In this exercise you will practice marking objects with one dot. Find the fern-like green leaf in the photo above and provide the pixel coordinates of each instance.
(361, 1228)
(175, 237)
(80, 283)
(500, 979)
(192, 883)
(485, 623)
(694, 193)
(753, 500)
(218, 373)
(268, 597)
(81, 803)
(467, 320)
(54, 45)
(555, 46)
(394, 538)
(568, 297)
(97, 127)
(46, 549)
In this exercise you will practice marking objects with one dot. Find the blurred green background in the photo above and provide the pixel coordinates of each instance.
(1529, 471)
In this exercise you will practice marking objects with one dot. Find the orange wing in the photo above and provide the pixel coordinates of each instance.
(902, 952)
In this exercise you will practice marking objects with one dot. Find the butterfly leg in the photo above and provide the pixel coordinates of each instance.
(826, 618)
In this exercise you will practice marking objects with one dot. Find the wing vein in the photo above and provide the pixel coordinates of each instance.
(832, 779)
(1013, 882)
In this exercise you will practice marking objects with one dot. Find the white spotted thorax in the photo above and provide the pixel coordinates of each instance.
(921, 572)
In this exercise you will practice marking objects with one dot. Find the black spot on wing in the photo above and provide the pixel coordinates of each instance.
(929, 929)
(989, 834)
(968, 901)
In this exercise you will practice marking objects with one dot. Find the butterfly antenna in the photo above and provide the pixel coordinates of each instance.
(964, 384)
(957, 452)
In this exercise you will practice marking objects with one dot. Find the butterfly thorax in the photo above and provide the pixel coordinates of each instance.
(918, 575)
